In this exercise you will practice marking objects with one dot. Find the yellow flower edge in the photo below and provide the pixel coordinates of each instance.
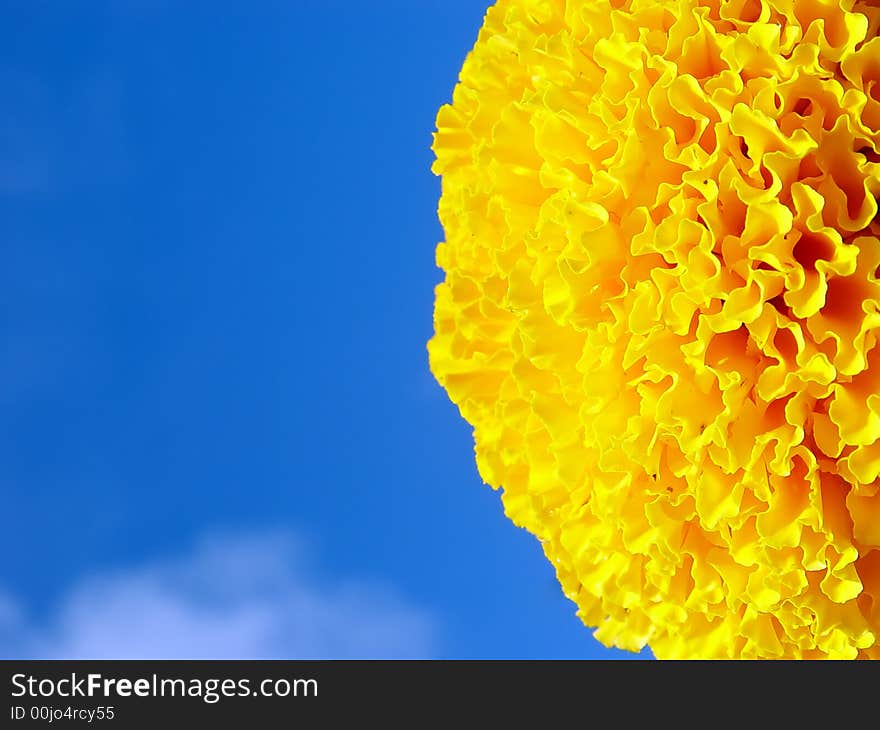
(661, 306)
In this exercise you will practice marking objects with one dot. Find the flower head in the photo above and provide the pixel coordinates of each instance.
(661, 311)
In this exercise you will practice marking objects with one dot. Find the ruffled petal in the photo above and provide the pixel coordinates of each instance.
(661, 311)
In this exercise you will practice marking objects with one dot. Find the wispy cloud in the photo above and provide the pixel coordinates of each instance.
(232, 597)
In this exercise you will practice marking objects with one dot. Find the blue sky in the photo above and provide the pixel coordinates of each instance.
(218, 227)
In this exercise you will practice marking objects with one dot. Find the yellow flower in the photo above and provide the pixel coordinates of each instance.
(661, 311)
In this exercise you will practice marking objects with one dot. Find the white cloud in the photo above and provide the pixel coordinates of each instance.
(236, 598)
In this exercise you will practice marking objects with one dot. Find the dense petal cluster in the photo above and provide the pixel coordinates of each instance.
(661, 308)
